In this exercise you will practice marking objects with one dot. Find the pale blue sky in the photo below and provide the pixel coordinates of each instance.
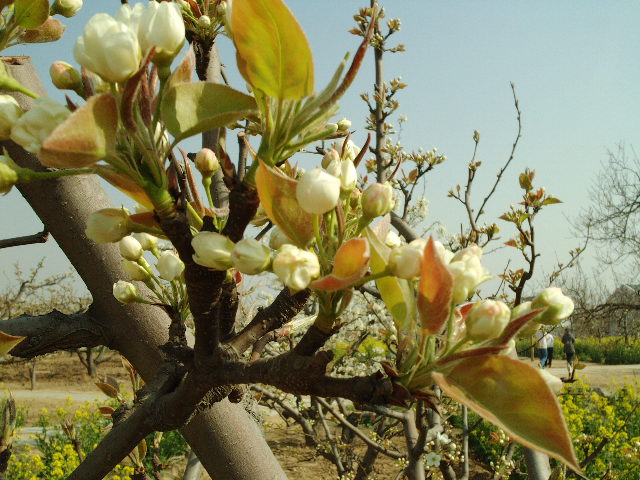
(576, 70)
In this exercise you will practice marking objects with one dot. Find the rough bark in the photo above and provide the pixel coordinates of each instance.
(226, 440)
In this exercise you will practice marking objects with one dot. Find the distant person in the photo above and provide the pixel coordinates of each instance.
(548, 338)
(569, 341)
(541, 346)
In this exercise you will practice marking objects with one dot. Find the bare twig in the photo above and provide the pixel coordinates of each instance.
(40, 237)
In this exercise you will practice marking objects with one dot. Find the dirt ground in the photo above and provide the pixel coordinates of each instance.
(60, 376)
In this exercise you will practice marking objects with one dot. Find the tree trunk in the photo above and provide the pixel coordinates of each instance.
(225, 439)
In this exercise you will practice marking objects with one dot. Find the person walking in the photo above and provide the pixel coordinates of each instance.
(569, 341)
(541, 346)
(549, 342)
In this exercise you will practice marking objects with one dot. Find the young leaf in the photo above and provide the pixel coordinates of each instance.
(272, 51)
(125, 185)
(7, 342)
(435, 290)
(31, 14)
(277, 194)
(191, 108)
(350, 265)
(398, 296)
(84, 138)
(515, 397)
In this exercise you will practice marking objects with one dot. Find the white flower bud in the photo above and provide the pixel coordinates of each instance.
(204, 21)
(159, 24)
(405, 261)
(147, 242)
(392, 239)
(558, 306)
(108, 48)
(278, 238)
(295, 267)
(207, 162)
(444, 253)
(66, 8)
(487, 319)
(250, 256)
(10, 112)
(329, 157)
(65, 77)
(107, 225)
(467, 272)
(130, 248)
(135, 271)
(212, 250)
(318, 192)
(169, 266)
(344, 124)
(8, 176)
(351, 150)
(345, 170)
(34, 127)
(377, 200)
(125, 292)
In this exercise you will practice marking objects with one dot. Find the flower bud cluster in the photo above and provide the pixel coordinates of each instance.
(113, 47)
(66, 8)
(296, 268)
(558, 306)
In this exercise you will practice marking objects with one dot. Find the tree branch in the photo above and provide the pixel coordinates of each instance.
(40, 237)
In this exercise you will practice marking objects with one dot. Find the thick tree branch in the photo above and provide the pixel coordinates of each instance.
(53, 332)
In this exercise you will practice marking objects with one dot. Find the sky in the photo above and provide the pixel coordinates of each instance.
(574, 66)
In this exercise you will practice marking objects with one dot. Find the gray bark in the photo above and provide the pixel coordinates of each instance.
(225, 439)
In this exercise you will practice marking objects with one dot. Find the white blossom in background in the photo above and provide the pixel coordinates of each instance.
(34, 127)
(169, 266)
(108, 48)
(296, 267)
(432, 459)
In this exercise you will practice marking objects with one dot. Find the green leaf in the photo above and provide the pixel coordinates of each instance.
(277, 194)
(191, 108)
(272, 51)
(551, 200)
(84, 138)
(512, 395)
(30, 14)
(397, 294)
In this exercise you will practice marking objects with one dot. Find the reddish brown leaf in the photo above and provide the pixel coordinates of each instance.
(435, 291)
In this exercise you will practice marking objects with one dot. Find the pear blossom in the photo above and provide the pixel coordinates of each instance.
(212, 250)
(125, 292)
(66, 8)
(558, 306)
(345, 170)
(318, 192)
(377, 200)
(329, 157)
(34, 127)
(250, 256)
(108, 225)
(108, 48)
(169, 266)
(467, 272)
(207, 162)
(10, 112)
(147, 242)
(295, 267)
(65, 77)
(405, 261)
(349, 151)
(278, 238)
(392, 239)
(130, 248)
(487, 319)
(135, 271)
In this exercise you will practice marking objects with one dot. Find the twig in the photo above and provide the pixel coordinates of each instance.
(332, 442)
(40, 237)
